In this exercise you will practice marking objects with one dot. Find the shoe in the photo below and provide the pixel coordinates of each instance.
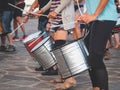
(23, 37)
(107, 55)
(50, 72)
(2, 48)
(39, 69)
(69, 83)
(16, 39)
(10, 48)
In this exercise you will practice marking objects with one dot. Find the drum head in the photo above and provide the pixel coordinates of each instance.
(32, 36)
(40, 43)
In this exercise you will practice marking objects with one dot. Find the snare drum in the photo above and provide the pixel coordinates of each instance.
(71, 58)
(42, 52)
(32, 40)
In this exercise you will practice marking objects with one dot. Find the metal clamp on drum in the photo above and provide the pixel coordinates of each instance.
(42, 53)
(71, 58)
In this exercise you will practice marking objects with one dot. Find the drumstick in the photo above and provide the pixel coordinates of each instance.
(79, 8)
(17, 28)
(26, 11)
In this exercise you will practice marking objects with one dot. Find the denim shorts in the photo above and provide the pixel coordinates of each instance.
(6, 21)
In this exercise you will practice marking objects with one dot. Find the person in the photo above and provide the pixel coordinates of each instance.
(2, 47)
(116, 34)
(61, 12)
(6, 16)
(42, 20)
(18, 20)
(79, 29)
(101, 16)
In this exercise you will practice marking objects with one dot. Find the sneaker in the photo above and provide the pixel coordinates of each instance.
(16, 39)
(10, 48)
(39, 69)
(23, 37)
(107, 55)
(2, 48)
(50, 72)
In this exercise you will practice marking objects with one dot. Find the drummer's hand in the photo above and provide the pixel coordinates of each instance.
(48, 26)
(87, 18)
(52, 14)
(38, 13)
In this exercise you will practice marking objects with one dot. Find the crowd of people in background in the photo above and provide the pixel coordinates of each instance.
(58, 12)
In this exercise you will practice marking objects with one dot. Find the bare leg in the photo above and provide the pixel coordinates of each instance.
(117, 42)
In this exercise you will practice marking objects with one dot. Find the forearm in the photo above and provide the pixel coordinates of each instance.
(62, 5)
(46, 7)
(34, 5)
(100, 7)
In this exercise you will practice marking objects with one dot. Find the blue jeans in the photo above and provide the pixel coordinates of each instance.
(42, 27)
(6, 21)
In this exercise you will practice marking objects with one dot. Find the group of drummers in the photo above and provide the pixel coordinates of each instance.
(85, 52)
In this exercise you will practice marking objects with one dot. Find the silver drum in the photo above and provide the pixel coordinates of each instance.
(31, 41)
(71, 58)
(42, 52)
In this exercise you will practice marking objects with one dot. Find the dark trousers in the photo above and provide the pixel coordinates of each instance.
(100, 32)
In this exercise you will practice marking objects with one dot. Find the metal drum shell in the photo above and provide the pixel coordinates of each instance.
(42, 53)
(71, 59)
(31, 41)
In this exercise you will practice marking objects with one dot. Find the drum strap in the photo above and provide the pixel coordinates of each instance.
(59, 43)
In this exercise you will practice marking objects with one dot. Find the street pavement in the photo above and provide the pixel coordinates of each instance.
(17, 69)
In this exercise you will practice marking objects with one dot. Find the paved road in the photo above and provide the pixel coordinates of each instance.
(17, 69)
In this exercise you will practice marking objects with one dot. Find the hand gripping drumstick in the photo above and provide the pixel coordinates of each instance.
(26, 11)
(61, 25)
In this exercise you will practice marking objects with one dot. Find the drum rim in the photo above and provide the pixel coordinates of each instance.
(67, 43)
(74, 74)
(40, 45)
(25, 41)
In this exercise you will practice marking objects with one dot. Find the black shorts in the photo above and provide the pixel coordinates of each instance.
(18, 12)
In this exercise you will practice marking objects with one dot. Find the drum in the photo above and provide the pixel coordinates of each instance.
(42, 52)
(71, 58)
(32, 40)
(117, 26)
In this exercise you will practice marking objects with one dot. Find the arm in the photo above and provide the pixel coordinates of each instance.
(46, 7)
(34, 5)
(62, 5)
(100, 7)
(88, 18)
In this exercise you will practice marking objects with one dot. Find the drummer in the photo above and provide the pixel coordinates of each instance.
(100, 25)
(61, 12)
